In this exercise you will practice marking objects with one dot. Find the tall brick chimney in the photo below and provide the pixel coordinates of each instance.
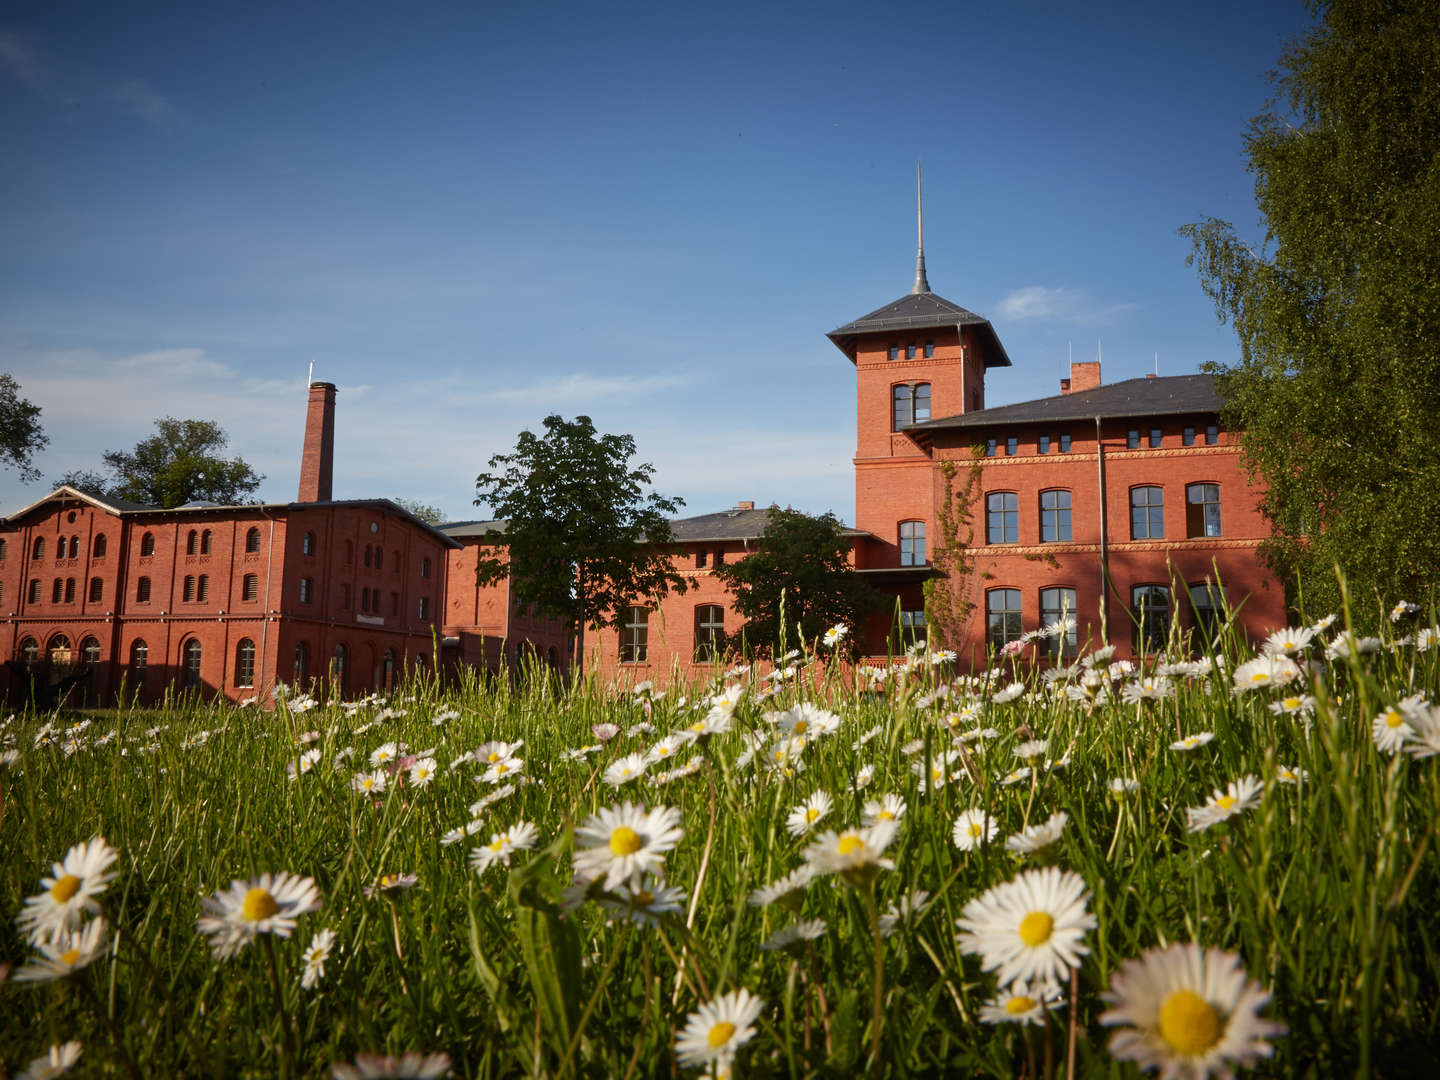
(1083, 376)
(317, 460)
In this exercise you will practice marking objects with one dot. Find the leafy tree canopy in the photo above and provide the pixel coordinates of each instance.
(584, 539)
(431, 515)
(179, 464)
(1338, 316)
(804, 560)
(20, 434)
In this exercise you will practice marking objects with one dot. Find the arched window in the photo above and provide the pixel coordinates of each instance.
(192, 542)
(139, 656)
(252, 541)
(58, 651)
(1207, 605)
(74, 547)
(1057, 604)
(3, 547)
(387, 671)
(147, 545)
(349, 552)
(1150, 605)
(202, 592)
(90, 651)
(367, 555)
(1055, 517)
(425, 567)
(424, 607)
(709, 632)
(245, 663)
(365, 597)
(912, 543)
(29, 653)
(1002, 617)
(191, 656)
(910, 404)
(1002, 517)
(33, 596)
(301, 668)
(69, 590)
(250, 587)
(97, 547)
(57, 590)
(189, 593)
(205, 542)
(634, 635)
(307, 545)
(37, 550)
(97, 590)
(1202, 510)
(337, 667)
(1147, 513)
(307, 589)
(142, 591)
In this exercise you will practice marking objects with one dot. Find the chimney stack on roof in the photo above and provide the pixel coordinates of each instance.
(317, 459)
(1083, 376)
(745, 504)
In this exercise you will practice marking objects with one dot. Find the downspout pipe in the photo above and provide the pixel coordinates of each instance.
(1104, 549)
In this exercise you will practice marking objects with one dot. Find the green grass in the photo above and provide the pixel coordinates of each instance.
(1326, 890)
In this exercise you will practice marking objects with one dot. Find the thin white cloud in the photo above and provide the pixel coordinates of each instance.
(1060, 305)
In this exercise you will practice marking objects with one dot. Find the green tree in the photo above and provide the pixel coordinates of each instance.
(179, 464)
(584, 540)
(803, 560)
(20, 435)
(431, 515)
(1337, 391)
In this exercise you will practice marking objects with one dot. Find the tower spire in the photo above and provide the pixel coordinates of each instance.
(921, 284)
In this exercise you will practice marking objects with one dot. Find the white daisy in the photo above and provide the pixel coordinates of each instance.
(622, 841)
(391, 885)
(56, 1061)
(1021, 1003)
(67, 953)
(623, 770)
(314, 957)
(907, 909)
(412, 1065)
(502, 771)
(422, 772)
(1038, 837)
(1032, 750)
(268, 904)
(1290, 774)
(806, 721)
(519, 837)
(717, 1029)
(1193, 742)
(304, 764)
(1015, 776)
(973, 828)
(1031, 928)
(643, 900)
(1390, 730)
(854, 853)
(795, 934)
(863, 777)
(1272, 669)
(371, 783)
(1009, 694)
(1288, 642)
(385, 754)
(812, 810)
(1424, 740)
(70, 890)
(786, 890)
(1241, 795)
(1188, 1011)
(889, 807)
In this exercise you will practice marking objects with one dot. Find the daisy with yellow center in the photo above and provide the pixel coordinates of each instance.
(1032, 928)
(1021, 1003)
(66, 954)
(855, 854)
(68, 894)
(1239, 796)
(1390, 730)
(625, 769)
(422, 772)
(621, 841)
(269, 904)
(371, 783)
(318, 951)
(973, 828)
(887, 808)
(804, 816)
(643, 900)
(519, 837)
(1188, 1011)
(716, 1030)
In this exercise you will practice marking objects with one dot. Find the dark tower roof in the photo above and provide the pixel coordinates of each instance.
(919, 311)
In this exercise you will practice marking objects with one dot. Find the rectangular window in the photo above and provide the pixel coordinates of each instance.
(1012, 444)
(1057, 604)
(894, 352)
(1147, 513)
(189, 593)
(709, 632)
(70, 590)
(394, 603)
(345, 597)
(910, 351)
(1188, 436)
(142, 591)
(1132, 439)
(97, 590)
(1055, 517)
(1157, 438)
(203, 592)
(1202, 510)
(1002, 518)
(1042, 444)
(912, 543)
(634, 635)
(1150, 605)
(1002, 617)
(929, 349)
(34, 595)
(1212, 434)
(912, 627)
(307, 589)
(1065, 443)
(701, 558)
(720, 556)
(989, 447)
(424, 607)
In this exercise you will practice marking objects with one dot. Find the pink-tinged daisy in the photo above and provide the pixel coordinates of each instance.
(269, 904)
(621, 841)
(1032, 928)
(1189, 1012)
(70, 890)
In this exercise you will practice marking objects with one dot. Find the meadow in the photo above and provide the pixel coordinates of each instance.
(1195, 865)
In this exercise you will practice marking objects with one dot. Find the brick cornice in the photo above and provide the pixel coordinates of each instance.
(1188, 544)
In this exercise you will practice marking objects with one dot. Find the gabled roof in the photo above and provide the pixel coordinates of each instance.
(467, 529)
(127, 508)
(919, 311)
(1170, 395)
(730, 525)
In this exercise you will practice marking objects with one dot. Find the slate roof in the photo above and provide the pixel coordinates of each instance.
(463, 529)
(725, 525)
(1170, 395)
(919, 311)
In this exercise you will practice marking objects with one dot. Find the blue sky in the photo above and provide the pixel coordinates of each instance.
(469, 216)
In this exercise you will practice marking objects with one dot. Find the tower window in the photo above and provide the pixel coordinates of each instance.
(147, 545)
(252, 541)
(142, 591)
(912, 543)
(910, 404)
